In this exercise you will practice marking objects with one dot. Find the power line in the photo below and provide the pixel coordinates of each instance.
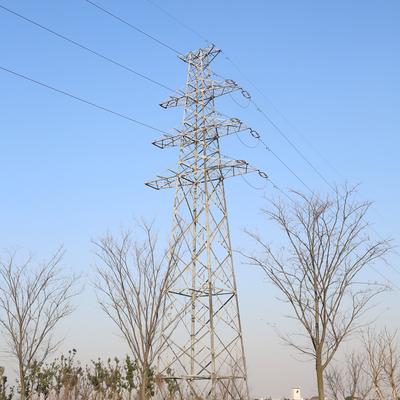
(252, 186)
(82, 100)
(284, 193)
(393, 268)
(177, 20)
(86, 48)
(294, 147)
(244, 144)
(230, 94)
(146, 34)
(383, 276)
(134, 27)
(283, 163)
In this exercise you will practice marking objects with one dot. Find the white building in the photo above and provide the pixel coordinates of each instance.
(295, 394)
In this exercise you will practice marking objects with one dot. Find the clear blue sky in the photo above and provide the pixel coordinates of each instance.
(69, 170)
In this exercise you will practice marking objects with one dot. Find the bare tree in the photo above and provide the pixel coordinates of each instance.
(232, 387)
(348, 381)
(375, 361)
(382, 362)
(335, 382)
(318, 269)
(392, 362)
(131, 284)
(33, 299)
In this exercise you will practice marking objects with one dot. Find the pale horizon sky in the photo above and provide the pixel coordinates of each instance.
(325, 74)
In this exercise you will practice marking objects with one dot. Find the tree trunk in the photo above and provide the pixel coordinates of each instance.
(320, 377)
(143, 386)
(22, 382)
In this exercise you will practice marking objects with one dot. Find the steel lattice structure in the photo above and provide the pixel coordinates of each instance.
(201, 323)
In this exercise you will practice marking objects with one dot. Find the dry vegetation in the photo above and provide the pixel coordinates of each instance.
(373, 372)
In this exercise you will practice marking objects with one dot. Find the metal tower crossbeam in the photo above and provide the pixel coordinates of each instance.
(210, 91)
(218, 168)
(222, 128)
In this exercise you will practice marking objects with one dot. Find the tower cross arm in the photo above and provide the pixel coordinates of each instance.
(221, 127)
(213, 169)
(198, 94)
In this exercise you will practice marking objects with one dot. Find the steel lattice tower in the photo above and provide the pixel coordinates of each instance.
(201, 323)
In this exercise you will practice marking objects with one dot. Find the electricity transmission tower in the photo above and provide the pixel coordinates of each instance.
(203, 345)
